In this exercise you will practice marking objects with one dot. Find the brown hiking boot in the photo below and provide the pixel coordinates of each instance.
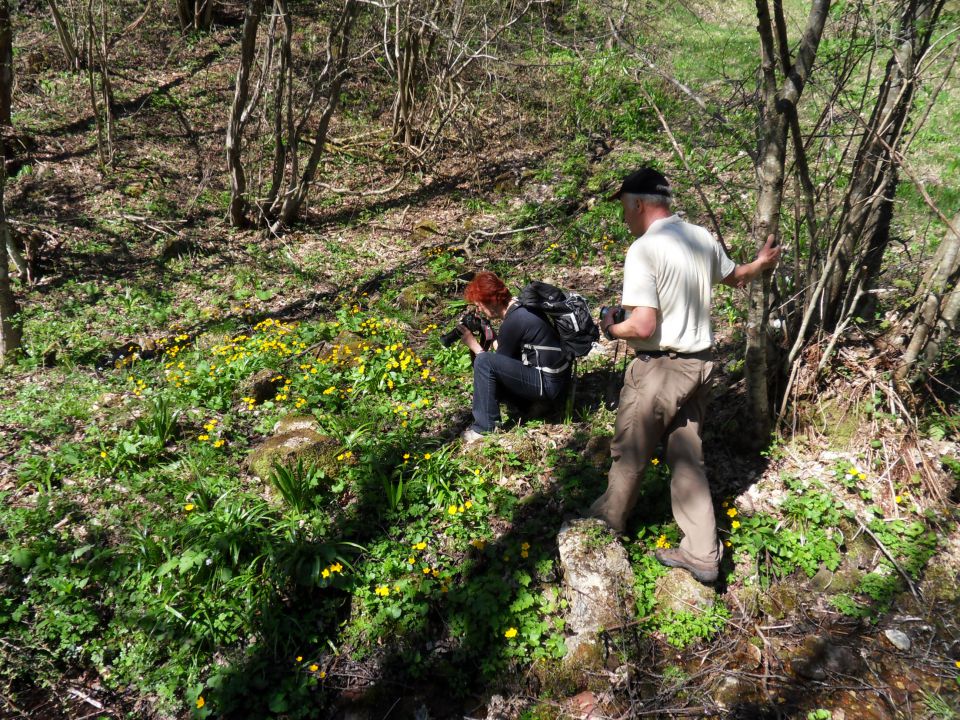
(678, 557)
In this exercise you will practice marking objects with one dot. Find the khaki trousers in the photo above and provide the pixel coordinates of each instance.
(663, 397)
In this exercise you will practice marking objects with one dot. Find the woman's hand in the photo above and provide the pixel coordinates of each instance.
(469, 339)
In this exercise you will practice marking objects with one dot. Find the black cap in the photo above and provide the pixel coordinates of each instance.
(645, 181)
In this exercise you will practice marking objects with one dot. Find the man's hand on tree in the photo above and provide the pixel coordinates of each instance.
(769, 254)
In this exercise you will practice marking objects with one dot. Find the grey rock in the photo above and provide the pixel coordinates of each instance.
(728, 691)
(597, 579)
(296, 423)
(899, 639)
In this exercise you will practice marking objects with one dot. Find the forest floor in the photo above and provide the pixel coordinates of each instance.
(147, 571)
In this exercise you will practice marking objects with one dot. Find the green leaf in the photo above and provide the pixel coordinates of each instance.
(278, 703)
(80, 551)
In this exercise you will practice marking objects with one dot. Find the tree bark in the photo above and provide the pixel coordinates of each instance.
(65, 36)
(327, 86)
(195, 15)
(238, 116)
(936, 313)
(779, 106)
(863, 231)
(11, 333)
(6, 64)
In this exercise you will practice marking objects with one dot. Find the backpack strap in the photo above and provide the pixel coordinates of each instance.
(536, 352)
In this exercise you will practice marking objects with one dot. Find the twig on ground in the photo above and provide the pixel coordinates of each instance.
(80, 695)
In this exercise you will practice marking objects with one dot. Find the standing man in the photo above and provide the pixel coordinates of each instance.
(667, 279)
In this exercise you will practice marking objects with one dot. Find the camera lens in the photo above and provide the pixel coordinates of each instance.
(450, 337)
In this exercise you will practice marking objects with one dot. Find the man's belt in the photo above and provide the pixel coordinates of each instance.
(700, 355)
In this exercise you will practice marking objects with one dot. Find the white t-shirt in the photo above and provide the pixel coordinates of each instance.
(672, 267)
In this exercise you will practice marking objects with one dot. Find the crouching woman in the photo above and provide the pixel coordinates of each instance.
(528, 363)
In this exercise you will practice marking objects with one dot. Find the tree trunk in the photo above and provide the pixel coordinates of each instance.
(936, 315)
(779, 105)
(239, 115)
(6, 64)
(66, 37)
(332, 76)
(195, 15)
(11, 333)
(863, 231)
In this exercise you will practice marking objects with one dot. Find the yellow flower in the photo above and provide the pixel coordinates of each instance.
(218, 443)
(189, 507)
(427, 456)
(654, 462)
(460, 509)
(525, 546)
(203, 437)
(299, 658)
(336, 567)
(325, 573)
(732, 512)
(200, 702)
(957, 663)
(735, 524)
(452, 509)
(382, 590)
(411, 560)
(314, 667)
(662, 542)
(426, 571)
(322, 675)
(420, 546)
(103, 453)
(479, 544)
(727, 543)
(524, 554)
(898, 499)
(510, 633)
(468, 504)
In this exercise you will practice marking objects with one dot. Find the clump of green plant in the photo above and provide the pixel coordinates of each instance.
(680, 629)
(807, 537)
(685, 628)
(912, 544)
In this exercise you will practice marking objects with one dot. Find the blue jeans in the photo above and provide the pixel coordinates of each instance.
(499, 378)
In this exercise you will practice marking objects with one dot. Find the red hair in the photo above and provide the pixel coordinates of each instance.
(488, 289)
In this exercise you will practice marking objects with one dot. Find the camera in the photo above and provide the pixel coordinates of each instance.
(616, 315)
(477, 324)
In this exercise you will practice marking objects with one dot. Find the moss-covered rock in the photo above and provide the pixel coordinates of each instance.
(780, 600)
(306, 446)
(420, 294)
(678, 591)
(260, 386)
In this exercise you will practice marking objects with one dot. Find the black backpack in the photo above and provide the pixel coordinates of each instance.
(568, 312)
